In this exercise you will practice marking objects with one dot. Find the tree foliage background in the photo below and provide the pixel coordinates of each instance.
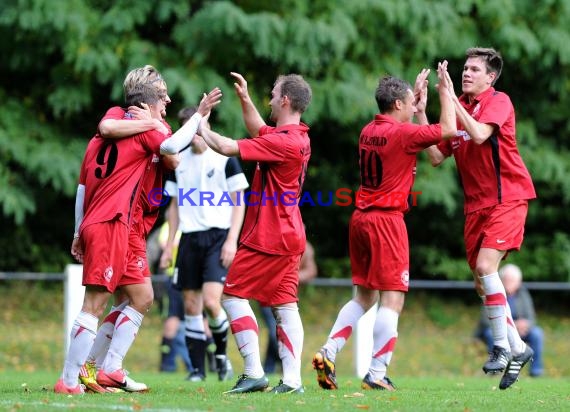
(63, 62)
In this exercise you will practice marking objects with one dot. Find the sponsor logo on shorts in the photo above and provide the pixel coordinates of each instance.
(501, 241)
(405, 276)
(108, 274)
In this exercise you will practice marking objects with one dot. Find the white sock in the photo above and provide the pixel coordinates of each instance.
(385, 338)
(126, 329)
(495, 303)
(343, 327)
(104, 335)
(194, 327)
(516, 343)
(81, 339)
(290, 336)
(243, 325)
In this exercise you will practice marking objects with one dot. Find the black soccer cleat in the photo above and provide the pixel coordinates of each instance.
(513, 370)
(247, 384)
(282, 388)
(498, 360)
(384, 384)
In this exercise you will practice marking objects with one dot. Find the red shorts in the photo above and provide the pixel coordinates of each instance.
(105, 247)
(379, 250)
(499, 227)
(270, 279)
(137, 263)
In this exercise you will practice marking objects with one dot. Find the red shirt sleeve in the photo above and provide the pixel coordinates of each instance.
(445, 147)
(267, 147)
(497, 110)
(417, 137)
(115, 113)
(151, 140)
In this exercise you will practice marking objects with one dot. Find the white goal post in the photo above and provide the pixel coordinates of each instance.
(73, 293)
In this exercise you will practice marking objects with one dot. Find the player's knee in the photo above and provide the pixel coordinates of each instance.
(484, 267)
(212, 304)
(142, 302)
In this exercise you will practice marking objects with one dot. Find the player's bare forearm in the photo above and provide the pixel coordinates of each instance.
(117, 129)
(436, 157)
(218, 143)
(446, 92)
(479, 132)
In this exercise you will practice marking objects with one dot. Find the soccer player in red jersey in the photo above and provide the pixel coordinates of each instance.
(378, 239)
(112, 176)
(497, 187)
(266, 265)
(110, 344)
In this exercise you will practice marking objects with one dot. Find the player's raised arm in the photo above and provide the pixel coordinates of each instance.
(220, 144)
(185, 134)
(252, 118)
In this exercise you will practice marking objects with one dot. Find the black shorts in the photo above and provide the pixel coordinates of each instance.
(198, 259)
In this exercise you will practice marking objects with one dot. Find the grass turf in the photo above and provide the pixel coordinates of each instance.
(436, 364)
(33, 391)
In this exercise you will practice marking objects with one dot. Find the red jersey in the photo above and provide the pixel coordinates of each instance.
(387, 151)
(111, 171)
(147, 208)
(273, 222)
(492, 172)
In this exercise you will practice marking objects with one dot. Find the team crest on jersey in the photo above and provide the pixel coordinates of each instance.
(405, 276)
(476, 109)
(140, 263)
(155, 158)
(108, 273)
(463, 136)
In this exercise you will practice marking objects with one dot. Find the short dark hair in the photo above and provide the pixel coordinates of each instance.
(492, 58)
(185, 114)
(297, 90)
(142, 93)
(389, 90)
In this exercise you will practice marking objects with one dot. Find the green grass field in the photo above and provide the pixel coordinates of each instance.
(436, 364)
(33, 391)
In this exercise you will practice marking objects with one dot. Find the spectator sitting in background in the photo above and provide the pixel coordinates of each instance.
(522, 309)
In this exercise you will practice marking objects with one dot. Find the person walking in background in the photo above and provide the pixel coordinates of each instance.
(524, 317)
(307, 271)
(496, 193)
(266, 266)
(210, 232)
(378, 239)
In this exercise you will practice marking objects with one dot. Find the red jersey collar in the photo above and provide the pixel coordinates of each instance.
(384, 118)
(465, 99)
(302, 127)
